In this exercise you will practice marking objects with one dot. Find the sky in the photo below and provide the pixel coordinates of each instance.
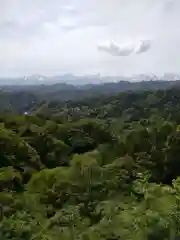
(110, 37)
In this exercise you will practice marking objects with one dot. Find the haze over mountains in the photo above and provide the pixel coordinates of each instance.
(84, 80)
(68, 87)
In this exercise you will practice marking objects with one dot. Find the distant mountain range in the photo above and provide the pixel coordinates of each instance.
(83, 80)
(69, 87)
(23, 95)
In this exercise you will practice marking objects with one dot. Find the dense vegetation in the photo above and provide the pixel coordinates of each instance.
(101, 168)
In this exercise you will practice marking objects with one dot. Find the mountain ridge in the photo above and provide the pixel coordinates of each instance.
(71, 79)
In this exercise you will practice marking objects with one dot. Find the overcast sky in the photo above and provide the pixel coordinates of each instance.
(110, 37)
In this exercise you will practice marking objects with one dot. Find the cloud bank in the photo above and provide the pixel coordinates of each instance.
(126, 49)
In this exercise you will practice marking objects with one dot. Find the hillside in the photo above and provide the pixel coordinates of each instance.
(22, 98)
(99, 168)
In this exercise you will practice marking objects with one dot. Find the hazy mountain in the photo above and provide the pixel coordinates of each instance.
(83, 80)
(27, 92)
(86, 80)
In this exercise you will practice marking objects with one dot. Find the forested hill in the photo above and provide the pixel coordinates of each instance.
(103, 168)
(22, 96)
(127, 105)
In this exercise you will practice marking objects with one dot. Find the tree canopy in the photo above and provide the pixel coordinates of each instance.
(101, 168)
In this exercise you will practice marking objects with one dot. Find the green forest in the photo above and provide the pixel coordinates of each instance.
(101, 168)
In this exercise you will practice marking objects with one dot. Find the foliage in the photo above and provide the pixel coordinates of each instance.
(102, 168)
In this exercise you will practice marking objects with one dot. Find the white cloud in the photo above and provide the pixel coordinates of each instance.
(69, 9)
(126, 49)
(116, 50)
(143, 46)
(67, 23)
